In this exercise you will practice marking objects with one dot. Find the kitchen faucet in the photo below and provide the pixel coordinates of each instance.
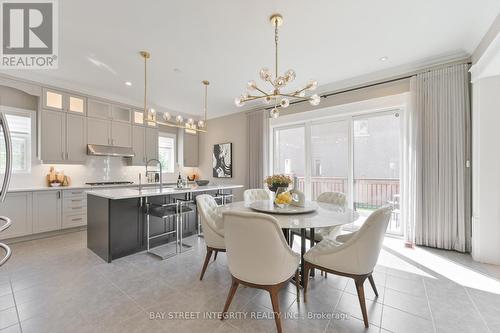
(159, 163)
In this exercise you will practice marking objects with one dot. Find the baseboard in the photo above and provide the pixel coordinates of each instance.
(43, 235)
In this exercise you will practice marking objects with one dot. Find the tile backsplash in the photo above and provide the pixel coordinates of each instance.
(97, 168)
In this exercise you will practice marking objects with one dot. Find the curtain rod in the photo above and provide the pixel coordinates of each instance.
(369, 85)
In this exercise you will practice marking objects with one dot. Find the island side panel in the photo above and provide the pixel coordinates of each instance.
(98, 226)
(126, 227)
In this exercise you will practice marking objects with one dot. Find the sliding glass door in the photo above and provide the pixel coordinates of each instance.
(329, 157)
(356, 155)
(376, 154)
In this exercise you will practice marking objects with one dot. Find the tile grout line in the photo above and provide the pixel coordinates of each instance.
(429, 305)
(477, 309)
(15, 305)
(383, 304)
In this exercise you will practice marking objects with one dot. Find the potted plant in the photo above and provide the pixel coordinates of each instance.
(276, 181)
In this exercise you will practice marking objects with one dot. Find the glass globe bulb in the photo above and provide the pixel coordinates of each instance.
(279, 82)
(274, 113)
(302, 94)
(152, 110)
(251, 85)
(201, 123)
(284, 102)
(179, 119)
(312, 85)
(238, 102)
(167, 116)
(265, 74)
(190, 121)
(314, 100)
(290, 75)
(267, 100)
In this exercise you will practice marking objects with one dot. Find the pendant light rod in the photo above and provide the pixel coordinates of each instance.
(146, 55)
(276, 20)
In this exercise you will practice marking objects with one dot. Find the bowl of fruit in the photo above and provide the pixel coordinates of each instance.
(283, 197)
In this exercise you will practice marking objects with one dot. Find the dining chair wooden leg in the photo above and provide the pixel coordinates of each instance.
(359, 281)
(215, 255)
(305, 276)
(205, 264)
(297, 285)
(273, 291)
(370, 278)
(232, 291)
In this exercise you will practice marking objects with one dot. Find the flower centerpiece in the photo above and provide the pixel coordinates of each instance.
(276, 181)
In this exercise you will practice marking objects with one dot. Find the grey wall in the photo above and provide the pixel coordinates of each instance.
(232, 128)
(16, 98)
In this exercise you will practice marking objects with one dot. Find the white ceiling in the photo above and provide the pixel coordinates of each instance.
(227, 42)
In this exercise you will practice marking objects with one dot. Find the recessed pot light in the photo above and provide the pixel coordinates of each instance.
(128, 83)
(384, 58)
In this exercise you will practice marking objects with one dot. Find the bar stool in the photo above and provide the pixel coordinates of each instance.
(166, 212)
(182, 209)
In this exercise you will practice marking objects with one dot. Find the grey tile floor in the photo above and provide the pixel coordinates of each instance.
(57, 285)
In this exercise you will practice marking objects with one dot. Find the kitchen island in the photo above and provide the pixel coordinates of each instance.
(116, 218)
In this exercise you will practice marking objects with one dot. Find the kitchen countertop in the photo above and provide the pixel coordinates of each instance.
(82, 187)
(128, 193)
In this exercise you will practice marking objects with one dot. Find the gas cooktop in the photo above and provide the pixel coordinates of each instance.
(108, 183)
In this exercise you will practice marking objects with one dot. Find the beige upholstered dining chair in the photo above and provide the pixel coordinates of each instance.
(258, 256)
(256, 194)
(355, 257)
(336, 198)
(213, 230)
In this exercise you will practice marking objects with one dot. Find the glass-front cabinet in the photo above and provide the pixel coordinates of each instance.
(63, 101)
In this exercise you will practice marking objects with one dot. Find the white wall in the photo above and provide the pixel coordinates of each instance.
(486, 170)
(232, 128)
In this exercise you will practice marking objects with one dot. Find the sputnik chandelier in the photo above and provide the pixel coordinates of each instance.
(190, 125)
(276, 97)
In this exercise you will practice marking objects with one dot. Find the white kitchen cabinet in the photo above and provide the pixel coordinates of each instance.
(46, 211)
(190, 150)
(18, 207)
(52, 136)
(99, 109)
(151, 143)
(76, 138)
(139, 145)
(99, 131)
(138, 117)
(121, 134)
(63, 101)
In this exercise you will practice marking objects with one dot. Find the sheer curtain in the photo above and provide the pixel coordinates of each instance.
(436, 182)
(258, 143)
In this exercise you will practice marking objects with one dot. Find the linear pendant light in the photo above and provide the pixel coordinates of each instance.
(190, 126)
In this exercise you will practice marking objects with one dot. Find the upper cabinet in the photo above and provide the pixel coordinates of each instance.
(99, 109)
(63, 101)
(138, 117)
(105, 110)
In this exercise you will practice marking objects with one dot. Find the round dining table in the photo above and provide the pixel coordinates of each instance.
(325, 215)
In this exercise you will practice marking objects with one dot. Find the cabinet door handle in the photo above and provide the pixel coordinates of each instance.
(58, 194)
(62, 155)
(79, 207)
(66, 155)
(77, 200)
(77, 219)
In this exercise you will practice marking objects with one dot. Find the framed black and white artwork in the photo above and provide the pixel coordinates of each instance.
(222, 163)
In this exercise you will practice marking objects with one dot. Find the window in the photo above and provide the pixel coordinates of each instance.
(20, 126)
(289, 152)
(166, 151)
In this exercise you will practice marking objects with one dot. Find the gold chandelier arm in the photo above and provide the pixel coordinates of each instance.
(294, 96)
(262, 91)
(252, 98)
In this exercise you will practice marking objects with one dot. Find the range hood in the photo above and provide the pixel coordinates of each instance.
(99, 150)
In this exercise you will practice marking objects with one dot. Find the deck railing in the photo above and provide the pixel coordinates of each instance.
(369, 193)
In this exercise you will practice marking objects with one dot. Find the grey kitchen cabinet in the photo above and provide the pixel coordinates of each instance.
(46, 211)
(139, 145)
(76, 138)
(18, 207)
(52, 136)
(190, 150)
(151, 143)
(63, 101)
(99, 131)
(108, 133)
(99, 109)
(121, 134)
(74, 208)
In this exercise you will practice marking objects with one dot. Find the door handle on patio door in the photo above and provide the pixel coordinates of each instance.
(8, 154)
